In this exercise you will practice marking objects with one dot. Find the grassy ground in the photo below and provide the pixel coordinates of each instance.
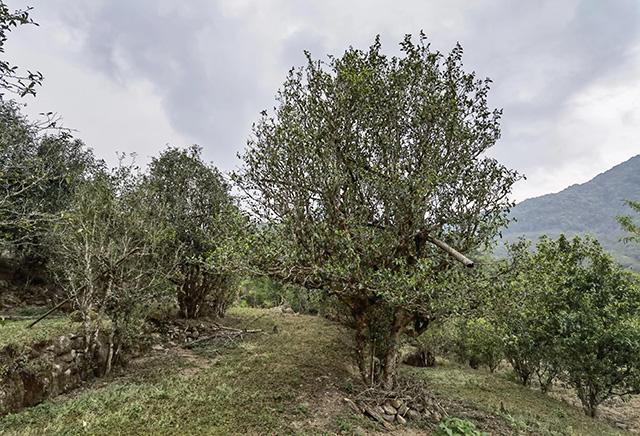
(17, 333)
(289, 382)
(481, 396)
(269, 383)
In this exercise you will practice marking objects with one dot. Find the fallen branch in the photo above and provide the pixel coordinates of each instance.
(22, 317)
(233, 333)
(239, 330)
(58, 306)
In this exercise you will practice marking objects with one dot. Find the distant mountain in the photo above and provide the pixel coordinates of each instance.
(590, 208)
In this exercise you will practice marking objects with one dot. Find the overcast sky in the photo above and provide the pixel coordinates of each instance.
(133, 76)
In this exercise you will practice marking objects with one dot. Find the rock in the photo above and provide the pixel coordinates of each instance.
(427, 415)
(389, 409)
(77, 342)
(396, 403)
(413, 415)
(402, 410)
(419, 407)
(401, 420)
(379, 410)
(157, 347)
(69, 357)
(388, 418)
(62, 345)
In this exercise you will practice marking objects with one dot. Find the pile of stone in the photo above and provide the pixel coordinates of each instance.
(185, 332)
(190, 333)
(399, 410)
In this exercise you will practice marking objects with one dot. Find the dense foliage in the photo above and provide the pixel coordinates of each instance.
(39, 173)
(368, 168)
(565, 311)
(196, 204)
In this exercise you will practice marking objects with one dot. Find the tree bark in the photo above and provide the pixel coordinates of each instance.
(363, 344)
(400, 321)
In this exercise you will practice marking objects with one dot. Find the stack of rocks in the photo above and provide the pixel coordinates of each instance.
(399, 410)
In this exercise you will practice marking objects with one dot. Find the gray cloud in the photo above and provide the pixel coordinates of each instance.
(201, 63)
(216, 64)
(540, 56)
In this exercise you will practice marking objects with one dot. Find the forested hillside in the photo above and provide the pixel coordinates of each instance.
(589, 208)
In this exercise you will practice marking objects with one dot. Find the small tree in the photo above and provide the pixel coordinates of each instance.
(197, 205)
(39, 173)
(517, 307)
(585, 322)
(368, 173)
(107, 255)
(594, 312)
(478, 342)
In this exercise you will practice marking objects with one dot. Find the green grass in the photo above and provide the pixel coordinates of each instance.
(528, 411)
(17, 333)
(265, 384)
(286, 383)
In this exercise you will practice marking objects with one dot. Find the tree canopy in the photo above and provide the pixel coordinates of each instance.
(39, 172)
(570, 299)
(370, 170)
(197, 206)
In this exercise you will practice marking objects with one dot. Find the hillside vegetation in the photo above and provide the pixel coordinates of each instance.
(589, 208)
(293, 382)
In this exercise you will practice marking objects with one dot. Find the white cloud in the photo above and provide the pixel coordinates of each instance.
(149, 72)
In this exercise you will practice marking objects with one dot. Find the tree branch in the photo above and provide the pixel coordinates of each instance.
(451, 251)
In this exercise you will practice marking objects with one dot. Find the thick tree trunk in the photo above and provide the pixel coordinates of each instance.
(377, 354)
(364, 348)
(400, 321)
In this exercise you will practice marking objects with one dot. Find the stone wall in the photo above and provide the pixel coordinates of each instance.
(29, 375)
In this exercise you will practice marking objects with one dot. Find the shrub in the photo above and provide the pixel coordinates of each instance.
(457, 427)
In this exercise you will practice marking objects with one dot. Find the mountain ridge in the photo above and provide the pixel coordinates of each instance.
(580, 209)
